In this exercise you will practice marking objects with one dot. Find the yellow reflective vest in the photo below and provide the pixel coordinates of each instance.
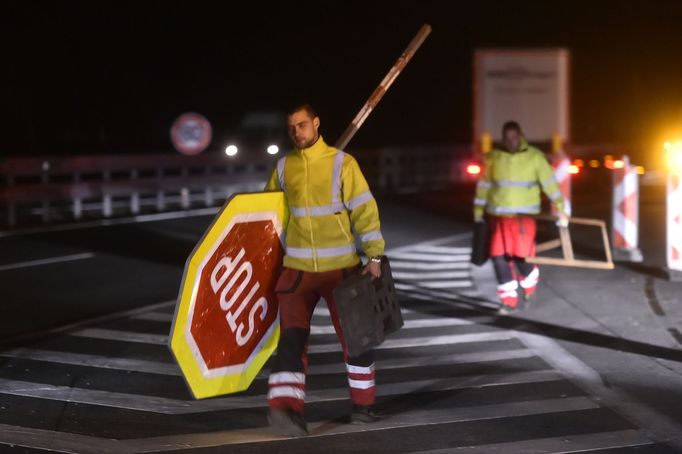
(510, 183)
(327, 195)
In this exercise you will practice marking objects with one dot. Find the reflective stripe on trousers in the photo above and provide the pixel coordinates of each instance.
(286, 390)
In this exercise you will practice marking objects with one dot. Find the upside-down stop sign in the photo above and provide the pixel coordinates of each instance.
(226, 323)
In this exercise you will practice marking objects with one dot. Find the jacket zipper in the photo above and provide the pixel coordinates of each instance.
(307, 209)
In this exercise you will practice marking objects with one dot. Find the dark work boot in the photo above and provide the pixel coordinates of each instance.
(288, 423)
(363, 414)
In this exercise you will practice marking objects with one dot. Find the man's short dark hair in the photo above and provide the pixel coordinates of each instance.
(511, 125)
(299, 107)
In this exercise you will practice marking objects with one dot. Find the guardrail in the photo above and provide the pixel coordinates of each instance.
(50, 190)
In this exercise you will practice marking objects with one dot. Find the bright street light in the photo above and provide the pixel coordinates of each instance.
(273, 149)
(674, 156)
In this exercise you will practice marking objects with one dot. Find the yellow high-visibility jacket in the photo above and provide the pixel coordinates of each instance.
(510, 183)
(326, 194)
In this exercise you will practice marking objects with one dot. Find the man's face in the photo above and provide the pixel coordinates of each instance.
(303, 129)
(512, 140)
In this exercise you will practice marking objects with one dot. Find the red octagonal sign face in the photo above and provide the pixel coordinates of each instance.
(234, 304)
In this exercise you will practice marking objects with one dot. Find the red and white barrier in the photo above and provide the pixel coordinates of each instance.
(674, 226)
(625, 225)
(563, 178)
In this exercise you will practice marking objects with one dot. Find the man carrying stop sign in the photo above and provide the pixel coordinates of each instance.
(327, 195)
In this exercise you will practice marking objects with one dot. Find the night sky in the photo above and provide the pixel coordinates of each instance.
(110, 77)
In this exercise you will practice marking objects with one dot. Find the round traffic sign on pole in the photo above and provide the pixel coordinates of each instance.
(226, 322)
(191, 133)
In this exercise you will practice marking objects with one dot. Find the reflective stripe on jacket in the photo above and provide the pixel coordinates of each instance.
(327, 194)
(510, 183)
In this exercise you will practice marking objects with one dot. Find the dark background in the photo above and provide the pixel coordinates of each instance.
(109, 77)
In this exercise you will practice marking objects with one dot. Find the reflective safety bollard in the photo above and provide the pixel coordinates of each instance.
(625, 225)
(674, 226)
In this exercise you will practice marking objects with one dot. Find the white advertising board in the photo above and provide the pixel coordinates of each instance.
(528, 86)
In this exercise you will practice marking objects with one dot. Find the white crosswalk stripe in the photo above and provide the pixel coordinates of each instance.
(430, 256)
(434, 275)
(428, 268)
(443, 249)
(408, 265)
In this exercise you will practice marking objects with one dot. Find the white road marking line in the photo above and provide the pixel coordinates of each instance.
(422, 341)
(167, 368)
(320, 310)
(165, 405)
(420, 296)
(98, 361)
(431, 275)
(408, 324)
(421, 361)
(464, 297)
(56, 441)
(68, 442)
(162, 339)
(443, 249)
(119, 221)
(323, 310)
(434, 242)
(418, 418)
(563, 444)
(656, 423)
(398, 264)
(90, 322)
(449, 297)
(155, 317)
(437, 285)
(121, 335)
(461, 414)
(48, 261)
(430, 257)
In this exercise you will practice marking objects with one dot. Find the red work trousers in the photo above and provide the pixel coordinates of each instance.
(512, 236)
(298, 292)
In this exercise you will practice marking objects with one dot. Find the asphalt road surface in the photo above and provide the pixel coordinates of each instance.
(588, 366)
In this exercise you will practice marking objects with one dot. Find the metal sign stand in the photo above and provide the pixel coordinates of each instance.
(564, 241)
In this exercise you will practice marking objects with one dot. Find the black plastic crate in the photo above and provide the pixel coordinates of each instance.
(368, 310)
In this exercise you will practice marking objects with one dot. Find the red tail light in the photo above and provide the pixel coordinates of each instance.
(473, 169)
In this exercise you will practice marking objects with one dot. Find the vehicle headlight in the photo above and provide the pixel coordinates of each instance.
(231, 150)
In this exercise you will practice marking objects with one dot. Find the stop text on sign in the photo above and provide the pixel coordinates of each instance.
(236, 269)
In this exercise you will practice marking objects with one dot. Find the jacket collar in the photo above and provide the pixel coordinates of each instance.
(523, 146)
(315, 150)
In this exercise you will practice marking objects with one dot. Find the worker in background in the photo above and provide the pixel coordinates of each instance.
(509, 193)
(327, 194)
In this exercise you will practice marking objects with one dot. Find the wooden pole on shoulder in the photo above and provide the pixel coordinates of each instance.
(383, 87)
